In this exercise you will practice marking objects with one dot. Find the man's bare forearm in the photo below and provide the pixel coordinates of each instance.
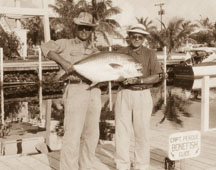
(66, 65)
(150, 79)
(143, 80)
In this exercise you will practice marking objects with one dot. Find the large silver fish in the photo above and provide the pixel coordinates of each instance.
(108, 66)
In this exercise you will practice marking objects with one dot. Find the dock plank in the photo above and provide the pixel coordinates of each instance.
(47, 160)
(15, 164)
(34, 163)
(3, 166)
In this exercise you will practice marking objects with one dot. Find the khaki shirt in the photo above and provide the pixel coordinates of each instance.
(71, 50)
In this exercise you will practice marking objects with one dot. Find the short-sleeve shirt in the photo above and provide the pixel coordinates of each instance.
(71, 50)
(147, 57)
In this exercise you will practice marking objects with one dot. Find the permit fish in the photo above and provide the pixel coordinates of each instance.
(108, 66)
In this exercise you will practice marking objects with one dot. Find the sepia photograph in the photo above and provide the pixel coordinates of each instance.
(107, 85)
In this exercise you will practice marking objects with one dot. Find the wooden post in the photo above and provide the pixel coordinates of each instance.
(110, 89)
(205, 104)
(1, 65)
(48, 117)
(46, 22)
(165, 70)
(182, 164)
(1, 85)
(18, 23)
(40, 82)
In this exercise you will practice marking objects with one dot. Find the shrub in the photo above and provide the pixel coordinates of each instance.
(10, 44)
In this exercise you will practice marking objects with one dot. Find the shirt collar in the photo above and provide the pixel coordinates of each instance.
(78, 41)
(136, 51)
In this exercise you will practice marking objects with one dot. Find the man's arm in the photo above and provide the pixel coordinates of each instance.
(154, 76)
(144, 81)
(66, 65)
(52, 49)
(150, 79)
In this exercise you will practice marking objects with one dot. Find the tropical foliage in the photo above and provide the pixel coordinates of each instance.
(101, 12)
(174, 34)
(63, 26)
(205, 32)
(148, 24)
(10, 43)
(35, 29)
(179, 32)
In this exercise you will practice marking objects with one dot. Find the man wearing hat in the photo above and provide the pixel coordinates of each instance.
(133, 105)
(82, 106)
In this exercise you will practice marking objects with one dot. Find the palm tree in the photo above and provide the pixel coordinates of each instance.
(147, 24)
(35, 34)
(204, 32)
(67, 11)
(186, 28)
(101, 12)
(205, 24)
(213, 42)
(174, 34)
(149, 28)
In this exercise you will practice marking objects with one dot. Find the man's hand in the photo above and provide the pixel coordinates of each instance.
(68, 67)
(130, 81)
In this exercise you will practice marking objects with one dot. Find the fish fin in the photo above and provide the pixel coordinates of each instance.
(114, 65)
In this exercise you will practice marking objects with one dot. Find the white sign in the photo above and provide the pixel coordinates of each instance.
(184, 145)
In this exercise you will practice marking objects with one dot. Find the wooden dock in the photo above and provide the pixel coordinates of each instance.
(105, 158)
(105, 150)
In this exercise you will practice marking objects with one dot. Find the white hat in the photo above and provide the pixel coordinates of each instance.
(84, 18)
(138, 28)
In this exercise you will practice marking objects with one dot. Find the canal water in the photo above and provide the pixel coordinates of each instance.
(23, 105)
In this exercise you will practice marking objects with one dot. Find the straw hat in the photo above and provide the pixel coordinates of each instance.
(138, 28)
(84, 18)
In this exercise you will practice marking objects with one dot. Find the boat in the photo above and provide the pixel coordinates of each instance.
(198, 63)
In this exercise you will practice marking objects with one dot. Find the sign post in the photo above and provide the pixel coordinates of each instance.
(1, 84)
(184, 145)
(165, 74)
(110, 88)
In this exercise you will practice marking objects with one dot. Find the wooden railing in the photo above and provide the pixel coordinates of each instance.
(47, 103)
(205, 105)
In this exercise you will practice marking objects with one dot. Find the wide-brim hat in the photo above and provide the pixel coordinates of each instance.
(84, 18)
(138, 28)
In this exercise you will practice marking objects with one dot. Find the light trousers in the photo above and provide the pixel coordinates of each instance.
(133, 110)
(81, 124)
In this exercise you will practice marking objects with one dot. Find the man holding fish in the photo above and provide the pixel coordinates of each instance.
(136, 66)
(82, 106)
(134, 105)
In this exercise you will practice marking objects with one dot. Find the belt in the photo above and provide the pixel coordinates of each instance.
(136, 88)
(78, 82)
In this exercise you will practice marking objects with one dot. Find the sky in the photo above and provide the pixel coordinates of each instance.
(187, 9)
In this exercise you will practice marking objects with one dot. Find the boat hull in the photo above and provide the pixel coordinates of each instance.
(196, 71)
(193, 84)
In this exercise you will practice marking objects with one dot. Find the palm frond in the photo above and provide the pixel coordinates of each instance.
(114, 23)
(105, 36)
(112, 11)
